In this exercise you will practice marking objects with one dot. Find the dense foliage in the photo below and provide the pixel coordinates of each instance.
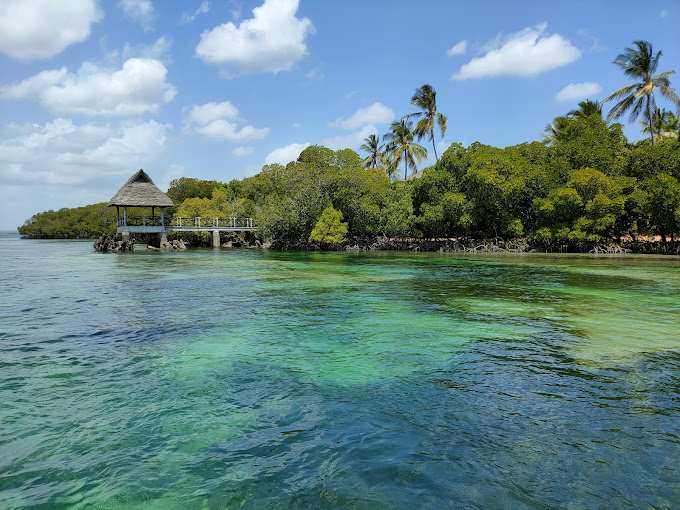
(79, 222)
(589, 186)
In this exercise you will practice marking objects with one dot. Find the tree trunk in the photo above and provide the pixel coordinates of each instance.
(435, 148)
(405, 167)
(651, 121)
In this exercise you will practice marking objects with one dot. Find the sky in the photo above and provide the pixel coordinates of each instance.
(93, 90)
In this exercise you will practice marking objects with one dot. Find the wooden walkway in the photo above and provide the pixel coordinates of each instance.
(157, 224)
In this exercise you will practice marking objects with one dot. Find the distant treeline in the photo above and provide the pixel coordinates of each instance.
(80, 222)
(590, 186)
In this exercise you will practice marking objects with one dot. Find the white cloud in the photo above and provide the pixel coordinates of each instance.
(138, 87)
(159, 50)
(457, 49)
(209, 112)
(202, 9)
(284, 155)
(61, 152)
(34, 85)
(663, 13)
(241, 152)
(218, 121)
(224, 130)
(140, 11)
(350, 141)
(576, 91)
(43, 28)
(377, 113)
(272, 41)
(528, 52)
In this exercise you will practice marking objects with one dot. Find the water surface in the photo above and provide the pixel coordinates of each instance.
(213, 379)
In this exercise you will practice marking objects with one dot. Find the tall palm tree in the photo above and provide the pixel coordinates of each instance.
(376, 156)
(425, 98)
(640, 64)
(401, 147)
(586, 109)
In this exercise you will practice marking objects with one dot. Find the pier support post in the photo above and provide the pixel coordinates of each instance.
(125, 235)
(157, 240)
(215, 239)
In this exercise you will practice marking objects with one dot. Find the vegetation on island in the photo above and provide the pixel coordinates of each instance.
(585, 184)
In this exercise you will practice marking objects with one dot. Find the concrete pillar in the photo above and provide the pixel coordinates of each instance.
(157, 239)
(125, 235)
(215, 239)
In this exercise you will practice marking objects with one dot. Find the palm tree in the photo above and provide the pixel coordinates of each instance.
(554, 132)
(400, 146)
(670, 127)
(376, 156)
(640, 64)
(586, 109)
(665, 125)
(425, 98)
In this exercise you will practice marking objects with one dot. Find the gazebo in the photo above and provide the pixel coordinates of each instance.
(140, 191)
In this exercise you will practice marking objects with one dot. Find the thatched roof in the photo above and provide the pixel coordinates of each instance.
(140, 191)
(416, 175)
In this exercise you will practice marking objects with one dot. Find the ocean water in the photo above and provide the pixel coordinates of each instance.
(212, 379)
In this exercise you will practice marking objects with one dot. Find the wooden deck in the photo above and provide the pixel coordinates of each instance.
(157, 224)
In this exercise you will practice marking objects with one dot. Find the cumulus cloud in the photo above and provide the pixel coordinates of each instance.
(272, 41)
(241, 151)
(61, 152)
(284, 155)
(210, 112)
(526, 53)
(577, 91)
(202, 9)
(350, 141)
(219, 121)
(457, 49)
(43, 28)
(140, 11)
(377, 113)
(138, 87)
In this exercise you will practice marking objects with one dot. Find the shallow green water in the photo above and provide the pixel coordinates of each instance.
(248, 379)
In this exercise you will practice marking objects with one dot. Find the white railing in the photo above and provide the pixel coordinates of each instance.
(186, 222)
(198, 222)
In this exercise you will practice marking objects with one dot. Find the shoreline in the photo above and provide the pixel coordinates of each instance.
(497, 245)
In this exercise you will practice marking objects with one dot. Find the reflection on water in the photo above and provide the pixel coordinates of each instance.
(235, 378)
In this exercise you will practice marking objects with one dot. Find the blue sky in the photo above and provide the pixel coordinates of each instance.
(91, 91)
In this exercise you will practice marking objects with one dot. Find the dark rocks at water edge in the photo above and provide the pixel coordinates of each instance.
(108, 244)
(174, 245)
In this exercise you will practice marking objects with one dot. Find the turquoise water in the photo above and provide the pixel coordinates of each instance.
(215, 379)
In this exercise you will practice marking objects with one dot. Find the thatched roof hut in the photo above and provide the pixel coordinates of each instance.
(140, 191)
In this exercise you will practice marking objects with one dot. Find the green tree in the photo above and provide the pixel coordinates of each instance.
(640, 64)
(586, 109)
(666, 125)
(401, 147)
(396, 213)
(376, 156)
(554, 132)
(658, 201)
(586, 208)
(330, 229)
(425, 98)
